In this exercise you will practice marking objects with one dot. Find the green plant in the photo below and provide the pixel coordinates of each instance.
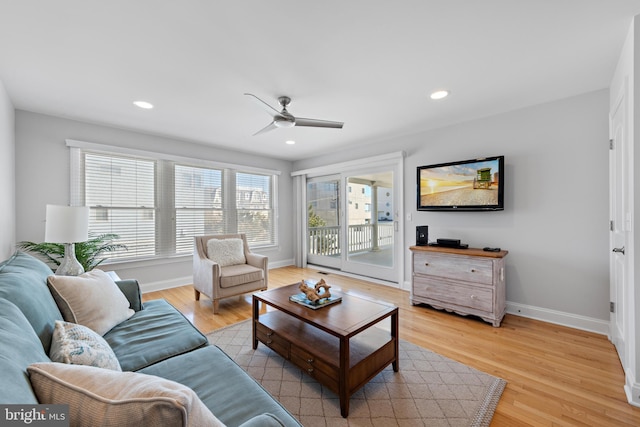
(89, 254)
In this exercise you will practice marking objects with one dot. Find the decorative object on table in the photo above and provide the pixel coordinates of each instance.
(314, 294)
(312, 297)
(89, 254)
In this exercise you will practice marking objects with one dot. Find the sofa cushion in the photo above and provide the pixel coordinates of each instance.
(226, 251)
(153, 334)
(23, 281)
(103, 397)
(131, 290)
(79, 345)
(91, 299)
(19, 347)
(240, 274)
(225, 388)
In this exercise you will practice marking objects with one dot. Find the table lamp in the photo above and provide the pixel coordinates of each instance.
(67, 225)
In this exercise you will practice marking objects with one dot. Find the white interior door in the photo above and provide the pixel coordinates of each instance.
(620, 225)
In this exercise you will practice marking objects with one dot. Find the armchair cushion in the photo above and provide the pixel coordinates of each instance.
(226, 251)
(240, 274)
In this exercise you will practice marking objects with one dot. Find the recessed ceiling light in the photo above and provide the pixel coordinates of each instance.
(439, 94)
(143, 104)
(290, 142)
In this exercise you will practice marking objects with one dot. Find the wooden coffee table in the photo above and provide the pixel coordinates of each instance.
(337, 344)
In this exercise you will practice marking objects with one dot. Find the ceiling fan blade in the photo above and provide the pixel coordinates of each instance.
(267, 128)
(268, 108)
(301, 121)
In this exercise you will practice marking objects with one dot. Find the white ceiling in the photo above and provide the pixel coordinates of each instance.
(368, 63)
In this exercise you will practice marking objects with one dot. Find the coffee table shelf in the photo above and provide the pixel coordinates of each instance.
(341, 345)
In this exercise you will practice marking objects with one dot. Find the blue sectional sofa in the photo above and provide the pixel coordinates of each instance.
(156, 340)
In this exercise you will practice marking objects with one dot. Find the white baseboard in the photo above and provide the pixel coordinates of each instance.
(278, 264)
(181, 281)
(165, 284)
(570, 320)
(632, 390)
(546, 315)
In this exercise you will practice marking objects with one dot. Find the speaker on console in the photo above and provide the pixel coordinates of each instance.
(422, 235)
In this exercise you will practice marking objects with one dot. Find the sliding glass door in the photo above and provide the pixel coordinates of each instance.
(352, 222)
(370, 225)
(324, 232)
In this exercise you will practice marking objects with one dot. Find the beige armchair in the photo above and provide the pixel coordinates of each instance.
(223, 266)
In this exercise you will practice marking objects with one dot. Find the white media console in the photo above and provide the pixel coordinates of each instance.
(466, 281)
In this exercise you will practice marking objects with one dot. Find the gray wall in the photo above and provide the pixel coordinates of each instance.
(42, 177)
(555, 221)
(7, 175)
(554, 224)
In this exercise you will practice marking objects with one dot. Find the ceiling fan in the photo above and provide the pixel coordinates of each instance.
(284, 119)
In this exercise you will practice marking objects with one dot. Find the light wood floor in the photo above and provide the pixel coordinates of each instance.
(556, 376)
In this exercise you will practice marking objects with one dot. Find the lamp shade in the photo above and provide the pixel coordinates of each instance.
(66, 224)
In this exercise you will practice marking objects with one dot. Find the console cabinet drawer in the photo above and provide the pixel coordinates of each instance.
(476, 270)
(476, 297)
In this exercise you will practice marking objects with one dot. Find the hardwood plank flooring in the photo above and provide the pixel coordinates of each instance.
(557, 376)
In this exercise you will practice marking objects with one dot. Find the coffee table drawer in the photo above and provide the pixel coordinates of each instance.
(273, 340)
(315, 367)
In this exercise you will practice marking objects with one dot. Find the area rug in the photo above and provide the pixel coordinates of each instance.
(429, 389)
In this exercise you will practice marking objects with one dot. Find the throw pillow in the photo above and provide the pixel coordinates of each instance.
(92, 299)
(79, 345)
(226, 251)
(107, 398)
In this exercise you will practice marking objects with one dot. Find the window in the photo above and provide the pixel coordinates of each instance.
(121, 195)
(198, 204)
(157, 205)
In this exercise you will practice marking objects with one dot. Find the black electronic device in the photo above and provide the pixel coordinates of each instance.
(467, 185)
(487, 249)
(452, 243)
(460, 246)
(422, 235)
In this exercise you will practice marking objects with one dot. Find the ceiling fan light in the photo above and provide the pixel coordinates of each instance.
(143, 104)
(284, 123)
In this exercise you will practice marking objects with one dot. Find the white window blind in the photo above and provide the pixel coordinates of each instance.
(254, 207)
(120, 192)
(156, 206)
(198, 204)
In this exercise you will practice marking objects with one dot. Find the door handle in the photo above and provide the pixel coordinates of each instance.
(619, 250)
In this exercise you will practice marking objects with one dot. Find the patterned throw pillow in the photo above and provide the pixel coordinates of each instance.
(79, 345)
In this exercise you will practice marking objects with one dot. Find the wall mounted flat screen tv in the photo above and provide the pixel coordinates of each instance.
(467, 185)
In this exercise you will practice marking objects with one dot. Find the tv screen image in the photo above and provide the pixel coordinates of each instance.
(471, 185)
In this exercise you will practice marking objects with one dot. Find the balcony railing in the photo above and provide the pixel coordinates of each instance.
(326, 240)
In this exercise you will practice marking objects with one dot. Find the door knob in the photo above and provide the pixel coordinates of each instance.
(619, 250)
